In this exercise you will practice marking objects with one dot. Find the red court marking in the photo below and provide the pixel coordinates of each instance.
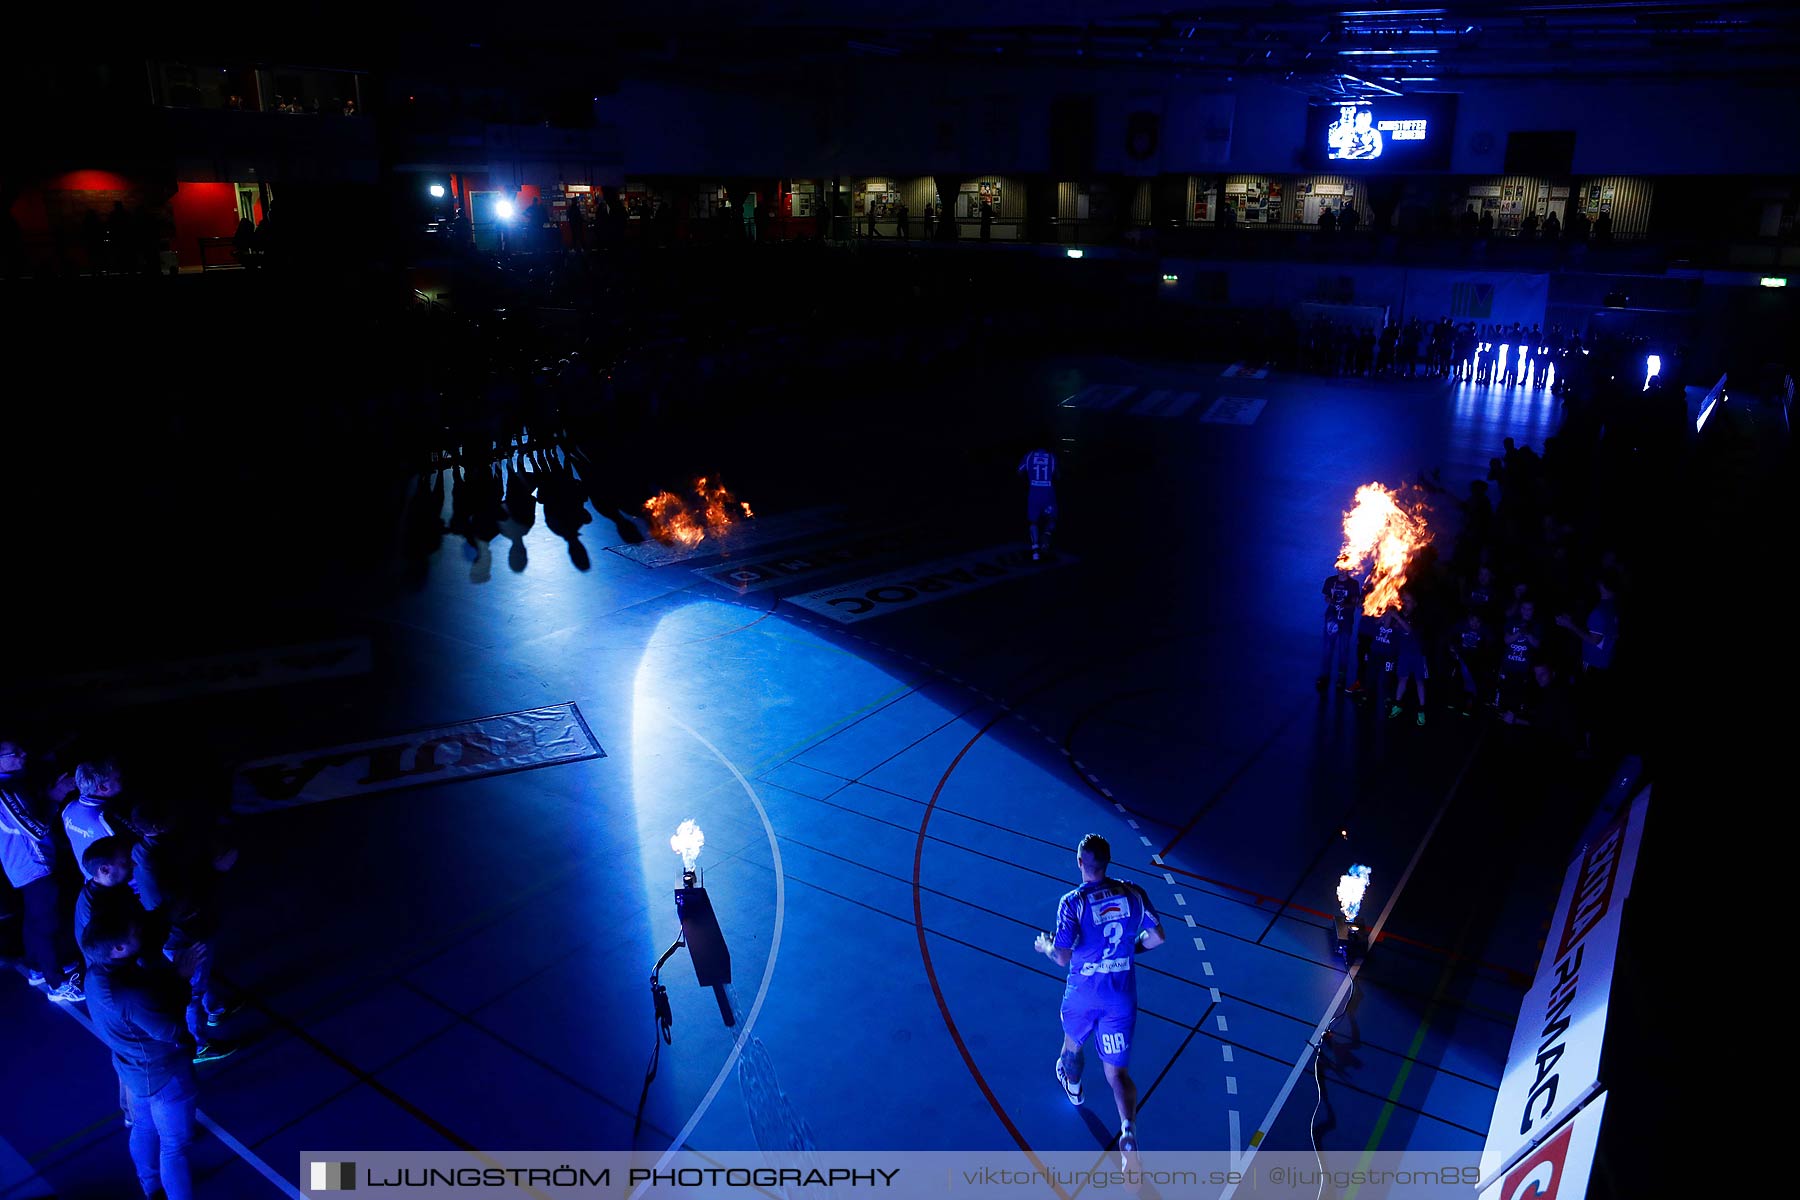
(931, 972)
(1511, 974)
(1258, 896)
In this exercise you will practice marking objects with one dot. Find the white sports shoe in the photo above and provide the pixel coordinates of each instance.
(1128, 1145)
(67, 992)
(1070, 1090)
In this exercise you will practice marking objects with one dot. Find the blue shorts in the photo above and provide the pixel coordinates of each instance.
(1041, 501)
(1109, 1020)
(1413, 666)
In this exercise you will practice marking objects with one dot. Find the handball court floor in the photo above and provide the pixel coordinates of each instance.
(890, 808)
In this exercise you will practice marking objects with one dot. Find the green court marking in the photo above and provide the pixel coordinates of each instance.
(782, 755)
(92, 1127)
(1412, 1053)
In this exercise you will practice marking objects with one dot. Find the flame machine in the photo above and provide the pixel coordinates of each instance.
(1351, 942)
(705, 942)
(700, 934)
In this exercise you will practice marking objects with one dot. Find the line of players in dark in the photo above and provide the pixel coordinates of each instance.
(1521, 621)
(1482, 354)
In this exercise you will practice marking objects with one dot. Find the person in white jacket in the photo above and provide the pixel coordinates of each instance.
(86, 818)
(28, 856)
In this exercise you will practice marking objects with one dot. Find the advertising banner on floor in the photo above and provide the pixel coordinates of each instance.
(1554, 1064)
(1559, 1168)
(879, 595)
(743, 575)
(1234, 410)
(741, 537)
(537, 737)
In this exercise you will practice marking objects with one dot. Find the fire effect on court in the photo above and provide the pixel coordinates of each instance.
(1382, 532)
(675, 521)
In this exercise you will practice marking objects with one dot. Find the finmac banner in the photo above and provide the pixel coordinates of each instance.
(1484, 297)
(537, 737)
(1554, 1065)
(878, 595)
(1559, 1168)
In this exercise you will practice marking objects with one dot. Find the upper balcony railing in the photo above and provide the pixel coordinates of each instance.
(292, 91)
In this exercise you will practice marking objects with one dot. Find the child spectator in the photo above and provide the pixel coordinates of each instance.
(1481, 595)
(1524, 636)
(1409, 657)
(1343, 595)
(1383, 655)
(108, 868)
(1473, 651)
(1548, 710)
(177, 868)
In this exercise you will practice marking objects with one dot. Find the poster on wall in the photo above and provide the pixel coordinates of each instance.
(1312, 206)
(1256, 202)
(1481, 296)
(1386, 133)
(1201, 202)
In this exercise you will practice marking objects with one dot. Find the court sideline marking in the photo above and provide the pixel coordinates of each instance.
(1091, 779)
(937, 990)
(250, 1157)
(1312, 1043)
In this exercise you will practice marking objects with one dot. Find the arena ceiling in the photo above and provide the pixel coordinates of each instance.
(1302, 43)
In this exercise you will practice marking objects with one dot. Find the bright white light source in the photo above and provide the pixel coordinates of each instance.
(1773, 281)
(1706, 412)
(1171, 279)
(1652, 368)
(437, 191)
(504, 209)
(687, 842)
(1072, 253)
(1351, 888)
